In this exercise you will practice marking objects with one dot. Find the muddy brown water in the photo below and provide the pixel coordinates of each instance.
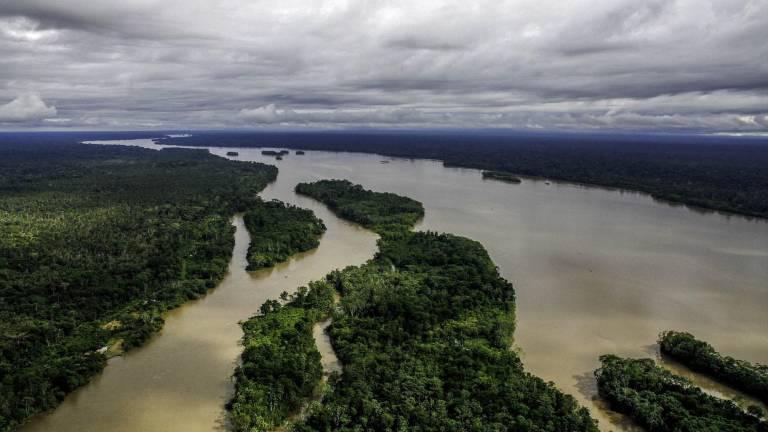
(596, 271)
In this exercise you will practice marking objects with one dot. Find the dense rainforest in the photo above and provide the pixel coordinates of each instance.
(97, 242)
(280, 365)
(379, 211)
(424, 333)
(278, 231)
(660, 401)
(702, 357)
(712, 172)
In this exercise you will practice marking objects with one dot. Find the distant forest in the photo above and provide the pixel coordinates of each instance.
(710, 172)
(716, 173)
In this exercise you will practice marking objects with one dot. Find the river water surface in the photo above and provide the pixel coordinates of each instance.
(596, 271)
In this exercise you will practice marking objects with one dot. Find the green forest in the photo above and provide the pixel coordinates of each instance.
(97, 242)
(660, 401)
(378, 211)
(702, 357)
(424, 333)
(280, 365)
(278, 231)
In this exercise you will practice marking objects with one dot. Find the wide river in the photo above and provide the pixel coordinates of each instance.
(596, 271)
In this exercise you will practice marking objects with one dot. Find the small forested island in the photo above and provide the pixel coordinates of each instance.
(99, 241)
(232, 153)
(275, 152)
(702, 357)
(501, 176)
(378, 211)
(299, 152)
(660, 401)
(279, 230)
(423, 331)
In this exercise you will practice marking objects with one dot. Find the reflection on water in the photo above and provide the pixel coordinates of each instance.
(596, 271)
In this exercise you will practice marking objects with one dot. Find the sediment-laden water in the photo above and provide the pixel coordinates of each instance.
(596, 271)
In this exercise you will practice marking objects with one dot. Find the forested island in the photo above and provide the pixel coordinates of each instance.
(378, 211)
(424, 333)
(279, 230)
(711, 172)
(660, 401)
(99, 241)
(278, 153)
(703, 358)
(502, 176)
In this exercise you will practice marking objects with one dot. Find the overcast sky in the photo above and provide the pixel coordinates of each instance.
(551, 64)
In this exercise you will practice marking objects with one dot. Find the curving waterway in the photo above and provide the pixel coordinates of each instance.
(596, 271)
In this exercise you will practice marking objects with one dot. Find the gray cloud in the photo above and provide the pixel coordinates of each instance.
(26, 108)
(616, 64)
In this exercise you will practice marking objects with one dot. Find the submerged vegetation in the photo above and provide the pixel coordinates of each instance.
(663, 402)
(502, 176)
(379, 211)
(97, 242)
(424, 333)
(702, 357)
(278, 231)
(281, 365)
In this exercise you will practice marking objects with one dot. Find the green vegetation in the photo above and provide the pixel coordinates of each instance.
(97, 242)
(280, 364)
(702, 357)
(502, 176)
(378, 211)
(279, 231)
(660, 401)
(424, 331)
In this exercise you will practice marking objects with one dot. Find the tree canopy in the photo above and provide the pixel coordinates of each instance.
(97, 242)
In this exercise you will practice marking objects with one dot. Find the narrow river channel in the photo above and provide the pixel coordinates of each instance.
(596, 271)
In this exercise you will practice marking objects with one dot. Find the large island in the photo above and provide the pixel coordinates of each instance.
(423, 331)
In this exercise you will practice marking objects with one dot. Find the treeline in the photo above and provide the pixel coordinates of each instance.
(660, 401)
(280, 365)
(279, 231)
(379, 211)
(97, 242)
(702, 357)
(424, 333)
(718, 173)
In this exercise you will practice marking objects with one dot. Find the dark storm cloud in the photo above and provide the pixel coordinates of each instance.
(675, 64)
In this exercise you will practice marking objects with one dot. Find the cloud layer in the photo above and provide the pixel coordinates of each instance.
(582, 64)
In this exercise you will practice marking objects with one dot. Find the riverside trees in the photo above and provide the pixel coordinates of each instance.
(98, 241)
(424, 331)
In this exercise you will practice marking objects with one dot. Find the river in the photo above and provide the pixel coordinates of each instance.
(596, 271)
